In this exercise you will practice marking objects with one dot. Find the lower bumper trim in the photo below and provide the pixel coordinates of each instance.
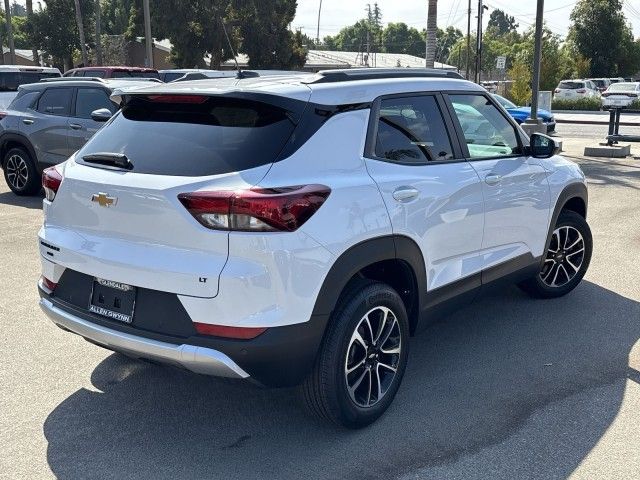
(191, 357)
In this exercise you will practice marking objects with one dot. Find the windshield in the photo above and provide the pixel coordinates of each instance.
(10, 81)
(504, 102)
(623, 87)
(571, 85)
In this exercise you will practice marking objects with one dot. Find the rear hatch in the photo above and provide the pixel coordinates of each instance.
(121, 220)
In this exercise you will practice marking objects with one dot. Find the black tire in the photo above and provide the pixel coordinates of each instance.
(325, 390)
(20, 172)
(541, 286)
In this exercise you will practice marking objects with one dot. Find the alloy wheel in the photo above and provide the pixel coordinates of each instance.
(17, 172)
(564, 257)
(373, 356)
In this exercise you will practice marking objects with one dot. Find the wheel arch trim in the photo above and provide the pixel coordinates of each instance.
(571, 191)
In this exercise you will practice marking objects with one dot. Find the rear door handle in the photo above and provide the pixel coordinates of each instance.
(492, 179)
(28, 121)
(405, 194)
(75, 126)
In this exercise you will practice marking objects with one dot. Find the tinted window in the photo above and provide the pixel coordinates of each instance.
(133, 74)
(55, 101)
(487, 132)
(569, 85)
(10, 81)
(94, 73)
(90, 99)
(412, 130)
(25, 99)
(220, 135)
(170, 77)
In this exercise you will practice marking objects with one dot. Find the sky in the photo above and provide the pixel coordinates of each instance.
(339, 13)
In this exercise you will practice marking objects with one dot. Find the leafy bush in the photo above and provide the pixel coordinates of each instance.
(590, 104)
(635, 105)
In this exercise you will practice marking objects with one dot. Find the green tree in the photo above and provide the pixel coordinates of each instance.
(266, 38)
(54, 30)
(601, 34)
(445, 41)
(194, 29)
(399, 38)
(500, 23)
(520, 91)
(352, 38)
(123, 17)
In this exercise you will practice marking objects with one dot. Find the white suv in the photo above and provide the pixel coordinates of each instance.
(300, 230)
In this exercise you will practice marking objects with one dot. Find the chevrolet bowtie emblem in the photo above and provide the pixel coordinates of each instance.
(103, 199)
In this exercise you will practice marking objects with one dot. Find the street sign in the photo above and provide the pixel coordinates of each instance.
(501, 62)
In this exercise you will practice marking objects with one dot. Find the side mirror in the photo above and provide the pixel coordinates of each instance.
(543, 146)
(101, 115)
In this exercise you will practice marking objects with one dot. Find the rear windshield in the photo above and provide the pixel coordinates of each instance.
(568, 85)
(623, 87)
(10, 81)
(133, 74)
(219, 135)
(600, 83)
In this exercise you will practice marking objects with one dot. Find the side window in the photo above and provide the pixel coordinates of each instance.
(90, 99)
(55, 101)
(487, 132)
(412, 130)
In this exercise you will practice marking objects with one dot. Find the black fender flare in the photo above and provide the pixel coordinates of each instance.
(571, 191)
(22, 140)
(364, 254)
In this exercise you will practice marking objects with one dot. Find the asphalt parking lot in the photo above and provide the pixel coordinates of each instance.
(508, 387)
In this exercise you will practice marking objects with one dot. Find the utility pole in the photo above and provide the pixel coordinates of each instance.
(12, 48)
(147, 34)
(468, 39)
(533, 123)
(481, 9)
(318, 31)
(98, 34)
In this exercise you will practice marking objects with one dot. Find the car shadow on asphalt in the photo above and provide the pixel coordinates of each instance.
(474, 380)
(603, 171)
(10, 198)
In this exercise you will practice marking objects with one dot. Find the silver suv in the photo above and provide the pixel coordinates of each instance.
(47, 122)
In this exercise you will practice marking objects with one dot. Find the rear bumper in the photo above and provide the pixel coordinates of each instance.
(191, 357)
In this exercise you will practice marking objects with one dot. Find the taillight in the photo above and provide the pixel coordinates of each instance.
(283, 209)
(240, 333)
(582, 90)
(51, 180)
(3, 114)
(47, 284)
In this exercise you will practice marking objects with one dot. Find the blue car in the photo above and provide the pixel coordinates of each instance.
(520, 114)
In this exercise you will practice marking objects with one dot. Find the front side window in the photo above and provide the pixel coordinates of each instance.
(487, 132)
(55, 101)
(412, 130)
(90, 99)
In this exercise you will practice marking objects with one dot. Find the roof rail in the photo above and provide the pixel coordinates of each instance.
(352, 74)
(73, 79)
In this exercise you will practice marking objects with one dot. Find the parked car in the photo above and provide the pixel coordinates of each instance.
(621, 94)
(301, 231)
(618, 80)
(576, 90)
(12, 76)
(47, 122)
(113, 72)
(601, 83)
(520, 114)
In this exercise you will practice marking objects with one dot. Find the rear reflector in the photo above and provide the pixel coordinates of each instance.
(47, 284)
(51, 180)
(197, 99)
(283, 209)
(240, 333)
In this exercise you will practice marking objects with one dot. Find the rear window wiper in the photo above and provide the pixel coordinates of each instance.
(119, 160)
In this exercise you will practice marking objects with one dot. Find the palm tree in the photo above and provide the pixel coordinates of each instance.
(34, 50)
(83, 44)
(432, 28)
(12, 48)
